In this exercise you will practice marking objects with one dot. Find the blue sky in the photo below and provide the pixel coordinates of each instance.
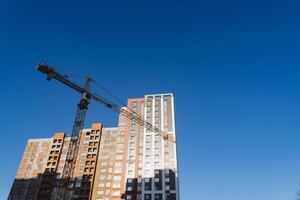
(233, 67)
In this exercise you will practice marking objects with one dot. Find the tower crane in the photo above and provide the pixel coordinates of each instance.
(86, 97)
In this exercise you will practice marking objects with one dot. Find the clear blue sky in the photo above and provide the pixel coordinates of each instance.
(233, 67)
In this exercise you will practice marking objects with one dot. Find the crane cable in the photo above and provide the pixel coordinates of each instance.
(110, 93)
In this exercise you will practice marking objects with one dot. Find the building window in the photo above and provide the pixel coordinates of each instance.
(100, 192)
(131, 165)
(119, 150)
(148, 138)
(101, 185)
(120, 144)
(147, 144)
(158, 196)
(117, 178)
(118, 164)
(116, 193)
(132, 138)
(147, 172)
(128, 197)
(103, 170)
(167, 171)
(130, 172)
(78, 184)
(131, 151)
(116, 185)
(147, 196)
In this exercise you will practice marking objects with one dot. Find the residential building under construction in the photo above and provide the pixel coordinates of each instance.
(129, 161)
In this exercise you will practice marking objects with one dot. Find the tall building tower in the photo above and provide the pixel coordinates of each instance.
(151, 164)
(125, 162)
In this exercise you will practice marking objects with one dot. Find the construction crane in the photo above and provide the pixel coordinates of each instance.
(86, 96)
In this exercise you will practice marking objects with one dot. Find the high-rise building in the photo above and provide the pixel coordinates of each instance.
(125, 162)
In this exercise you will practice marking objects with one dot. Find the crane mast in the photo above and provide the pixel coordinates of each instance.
(82, 106)
(86, 96)
(68, 171)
